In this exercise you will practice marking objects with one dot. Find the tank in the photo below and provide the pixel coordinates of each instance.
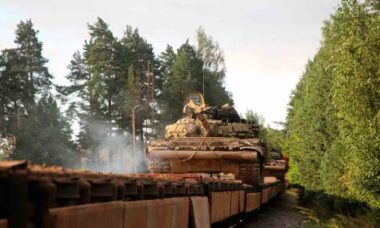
(211, 140)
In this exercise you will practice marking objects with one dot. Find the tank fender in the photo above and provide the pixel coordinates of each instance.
(253, 148)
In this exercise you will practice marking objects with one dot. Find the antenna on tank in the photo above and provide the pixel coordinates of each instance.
(203, 76)
(203, 82)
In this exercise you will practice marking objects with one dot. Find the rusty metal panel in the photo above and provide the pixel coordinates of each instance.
(220, 204)
(18, 192)
(11, 165)
(241, 201)
(103, 190)
(234, 203)
(98, 215)
(217, 204)
(200, 212)
(253, 201)
(3, 223)
(227, 211)
(172, 212)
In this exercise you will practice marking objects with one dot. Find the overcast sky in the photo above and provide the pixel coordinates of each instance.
(266, 42)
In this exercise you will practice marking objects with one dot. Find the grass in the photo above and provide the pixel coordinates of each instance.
(326, 211)
(315, 219)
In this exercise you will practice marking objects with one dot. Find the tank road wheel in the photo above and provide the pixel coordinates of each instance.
(249, 173)
(160, 166)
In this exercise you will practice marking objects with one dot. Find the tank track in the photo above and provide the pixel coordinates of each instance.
(160, 166)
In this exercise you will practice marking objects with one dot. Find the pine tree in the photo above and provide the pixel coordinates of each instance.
(29, 48)
(44, 136)
(13, 96)
(102, 54)
(187, 74)
(141, 55)
(184, 71)
(24, 75)
(99, 93)
(98, 79)
(213, 69)
(27, 109)
(166, 62)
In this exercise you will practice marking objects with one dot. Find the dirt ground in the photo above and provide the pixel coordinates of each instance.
(282, 213)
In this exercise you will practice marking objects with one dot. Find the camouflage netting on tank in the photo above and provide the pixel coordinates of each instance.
(185, 127)
(189, 127)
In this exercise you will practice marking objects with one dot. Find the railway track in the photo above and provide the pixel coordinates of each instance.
(36, 196)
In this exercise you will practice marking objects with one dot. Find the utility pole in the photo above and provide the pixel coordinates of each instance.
(203, 81)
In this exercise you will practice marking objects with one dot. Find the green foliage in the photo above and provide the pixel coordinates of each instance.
(13, 98)
(187, 76)
(356, 92)
(187, 69)
(27, 110)
(167, 60)
(272, 136)
(254, 117)
(325, 210)
(334, 118)
(309, 122)
(44, 136)
(99, 78)
(23, 75)
(102, 55)
(29, 49)
(214, 69)
(140, 55)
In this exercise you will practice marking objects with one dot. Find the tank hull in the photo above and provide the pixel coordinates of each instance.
(240, 157)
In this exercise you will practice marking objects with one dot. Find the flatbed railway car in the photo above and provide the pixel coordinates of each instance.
(36, 196)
